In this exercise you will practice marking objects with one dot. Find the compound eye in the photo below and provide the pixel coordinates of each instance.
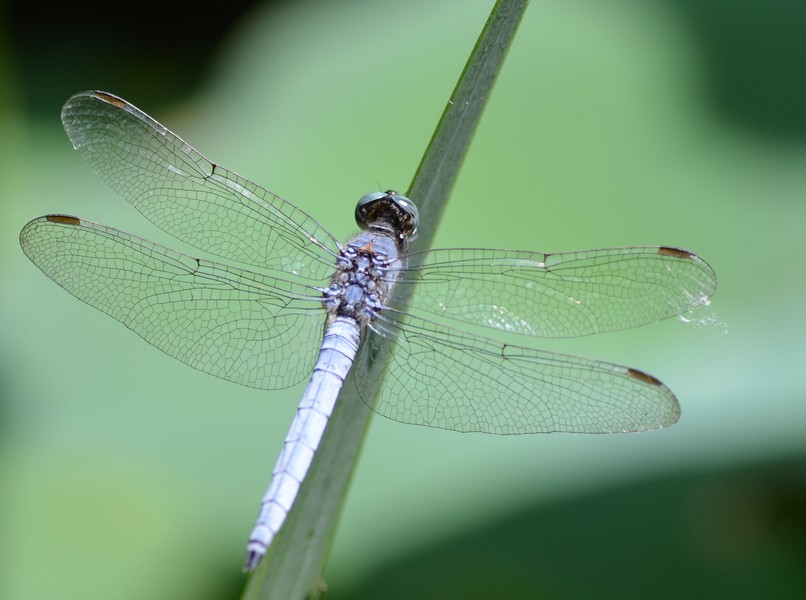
(388, 211)
(364, 207)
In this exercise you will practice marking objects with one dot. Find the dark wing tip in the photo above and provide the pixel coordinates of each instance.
(644, 377)
(110, 99)
(63, 219)
(675, 252)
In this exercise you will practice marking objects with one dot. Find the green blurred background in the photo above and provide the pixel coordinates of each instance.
(125, 474)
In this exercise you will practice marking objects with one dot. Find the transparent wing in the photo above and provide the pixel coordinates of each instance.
(190, 197)
(445, 378)
(558, 295)
(245, 327)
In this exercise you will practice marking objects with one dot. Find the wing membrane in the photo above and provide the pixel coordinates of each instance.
(190, 197)
(245, 327)
(440, 377)
(558, 295)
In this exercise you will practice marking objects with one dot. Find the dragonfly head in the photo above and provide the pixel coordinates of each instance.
(388, 211)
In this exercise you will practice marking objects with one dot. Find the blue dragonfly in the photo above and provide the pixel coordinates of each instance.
(288, 301)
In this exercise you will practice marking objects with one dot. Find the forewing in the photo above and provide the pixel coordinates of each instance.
(557, 295)
(190, 197)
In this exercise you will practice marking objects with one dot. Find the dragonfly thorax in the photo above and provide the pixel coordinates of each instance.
(359, 288)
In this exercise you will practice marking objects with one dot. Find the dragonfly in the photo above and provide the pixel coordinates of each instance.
(287, 301)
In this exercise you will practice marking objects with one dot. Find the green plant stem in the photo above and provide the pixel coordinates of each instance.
(296, 560)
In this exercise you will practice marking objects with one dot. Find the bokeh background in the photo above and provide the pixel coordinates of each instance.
(125, 474)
